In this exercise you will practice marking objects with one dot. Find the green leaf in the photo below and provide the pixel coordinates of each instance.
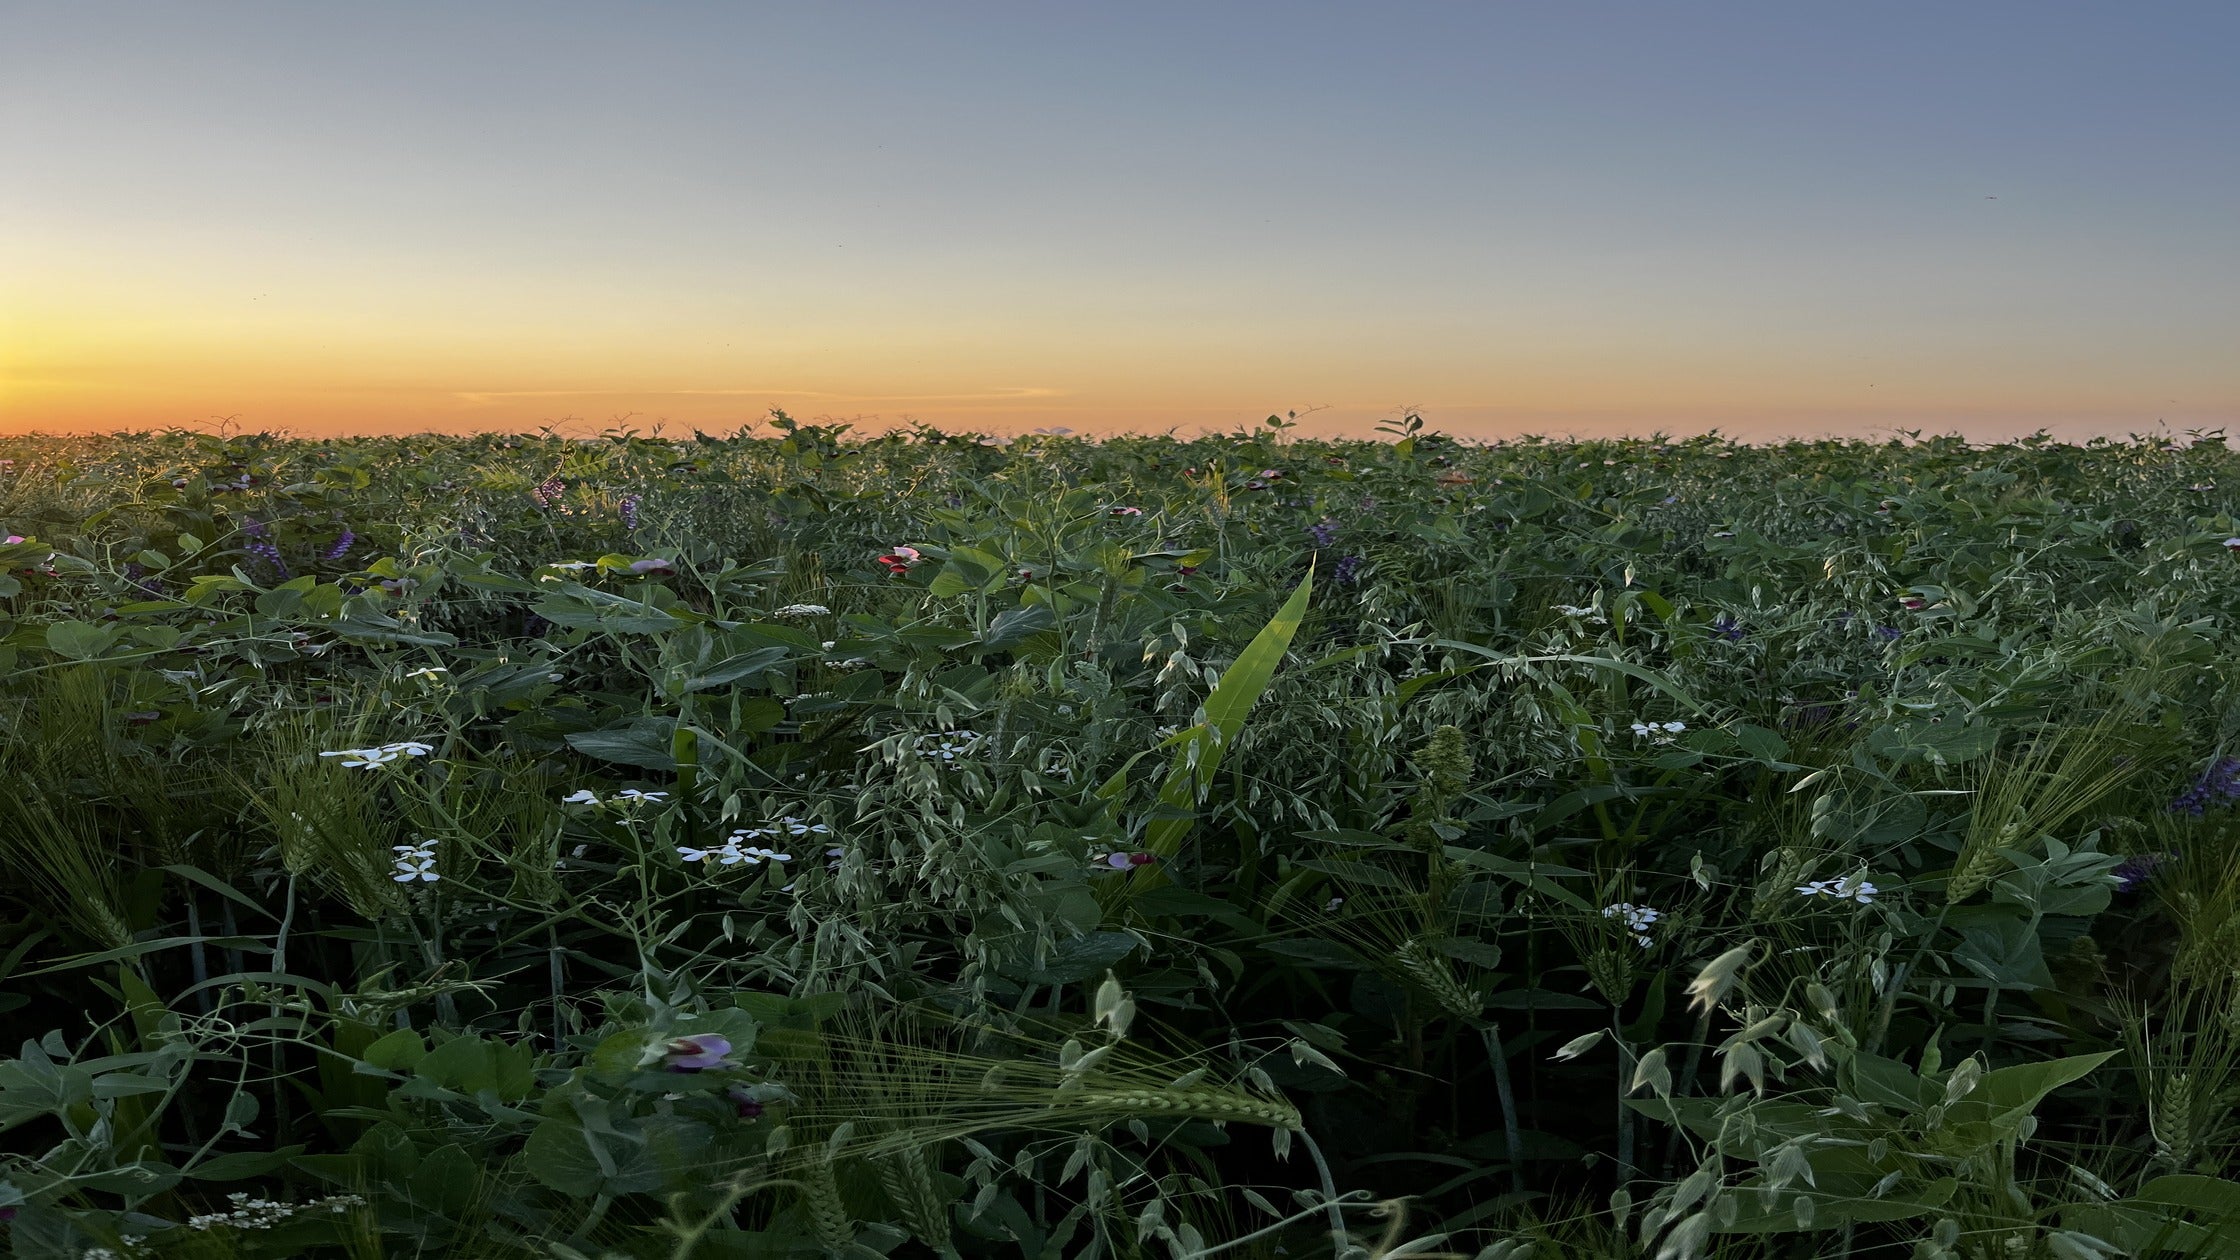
(398, 1051)
(463, 1063)
(731, 670)
(558, 1155)
(78, 640)
(1017, 625)
(1241, 686)
(646, 743)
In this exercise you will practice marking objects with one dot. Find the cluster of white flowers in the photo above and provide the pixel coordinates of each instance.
(416, 861)
(260, 1213)
(1849, 888)
(947, 747)
(803, 610)
(1573, 610)
(1638, 920)
(736, 850)
(627, 796)
(375, 758)
(1661, 732)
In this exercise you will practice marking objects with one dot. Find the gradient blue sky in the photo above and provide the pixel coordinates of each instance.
(1578, 217)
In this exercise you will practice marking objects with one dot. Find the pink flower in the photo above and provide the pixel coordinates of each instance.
(1913, 603)
(1127, 511)
(16, 538)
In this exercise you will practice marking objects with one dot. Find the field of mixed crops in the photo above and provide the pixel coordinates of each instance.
(790, 844)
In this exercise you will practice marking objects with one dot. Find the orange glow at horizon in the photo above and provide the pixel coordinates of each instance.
(334, 220)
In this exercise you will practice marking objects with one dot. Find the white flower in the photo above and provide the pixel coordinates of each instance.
(947, 747)
(410, 748)
(770, 855)
(364, 758)
(796, 827)
(428, 673)
(1675, 727)
(581, 796)
(572, 566)
(1638, 920)
(635, 796)
(803, 610)
(1850, 887)
(416, 862)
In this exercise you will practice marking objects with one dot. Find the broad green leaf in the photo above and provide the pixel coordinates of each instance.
(79, 640)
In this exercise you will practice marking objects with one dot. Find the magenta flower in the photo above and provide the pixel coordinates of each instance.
(697, 1054)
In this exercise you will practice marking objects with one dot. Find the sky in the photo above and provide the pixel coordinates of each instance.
(1769, 219)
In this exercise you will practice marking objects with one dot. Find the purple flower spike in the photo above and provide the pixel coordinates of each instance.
(2218, 785)
(628, 511)
(341, 546)
(698, 1054)
(2138, 869)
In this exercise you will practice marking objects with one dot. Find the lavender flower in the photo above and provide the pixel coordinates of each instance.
(628, 511)
(1888, 634)
(1726, 627)
(1323, 532)
(2137, 869)
(341, 546)
(1347, 570)
(269, 554)
(549, 491)
(2218, 785)
(254, 529)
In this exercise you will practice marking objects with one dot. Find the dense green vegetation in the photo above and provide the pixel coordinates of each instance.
(928, 846)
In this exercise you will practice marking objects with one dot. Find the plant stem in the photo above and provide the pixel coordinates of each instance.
(1508, 1098)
